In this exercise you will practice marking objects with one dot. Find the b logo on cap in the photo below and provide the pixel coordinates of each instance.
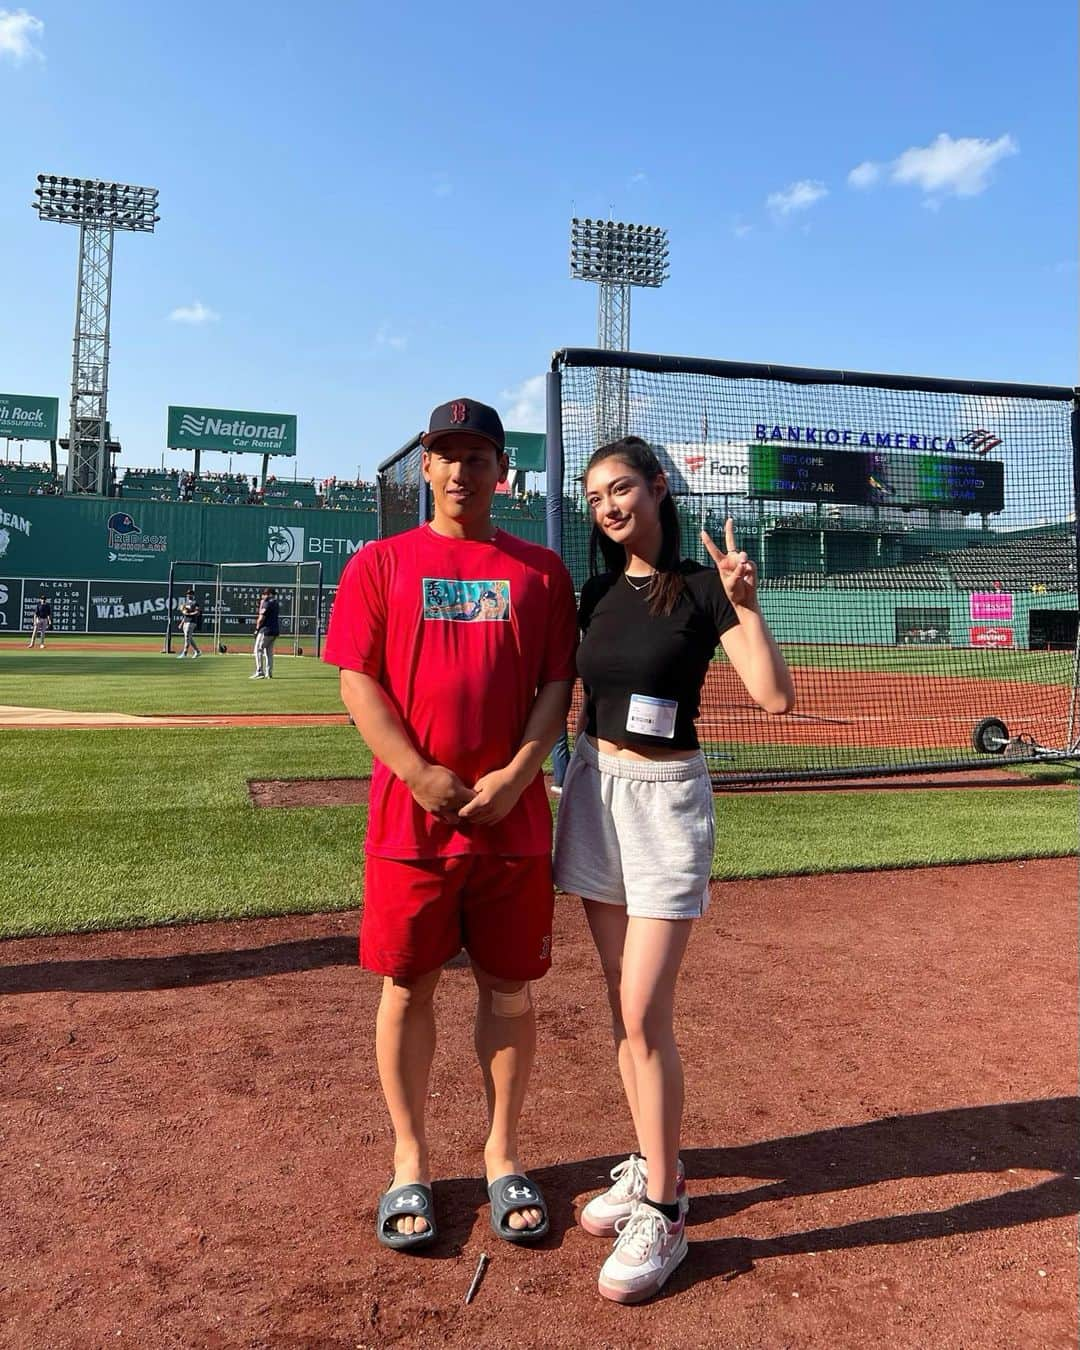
(459, 412)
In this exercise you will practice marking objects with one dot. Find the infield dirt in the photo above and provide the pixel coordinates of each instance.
(880, 1133)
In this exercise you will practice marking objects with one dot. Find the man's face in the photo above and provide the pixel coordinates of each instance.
(463, 470)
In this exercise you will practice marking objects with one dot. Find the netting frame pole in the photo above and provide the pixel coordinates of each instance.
(296, 587)
(1073, 740)
(553, 507)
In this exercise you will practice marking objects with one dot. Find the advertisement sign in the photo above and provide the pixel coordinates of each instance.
(990, 605)
(991, 637)
(527, 450)
(25, 417)
(10, 604)
(131, 606)
(128, 543)
(234, 432)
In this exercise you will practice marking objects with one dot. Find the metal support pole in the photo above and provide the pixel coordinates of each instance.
(555, 490)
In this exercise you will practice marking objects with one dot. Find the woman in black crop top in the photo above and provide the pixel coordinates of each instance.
(635, 831)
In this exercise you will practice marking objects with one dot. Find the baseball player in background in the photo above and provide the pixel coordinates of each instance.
(42, 621)
(190, 612)
(267, 628)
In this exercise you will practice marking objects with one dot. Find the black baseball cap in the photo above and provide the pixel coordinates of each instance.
(465, 414)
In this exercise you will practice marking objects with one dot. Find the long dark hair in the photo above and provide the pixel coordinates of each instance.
(669, 584)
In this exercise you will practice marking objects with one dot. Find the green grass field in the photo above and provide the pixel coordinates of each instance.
(127, 827)
(1022, 666)
(149, 682)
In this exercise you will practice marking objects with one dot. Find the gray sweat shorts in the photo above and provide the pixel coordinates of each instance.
(636, 833)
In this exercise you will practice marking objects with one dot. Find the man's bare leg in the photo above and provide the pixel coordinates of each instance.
(404, 1049)
(505, 1047)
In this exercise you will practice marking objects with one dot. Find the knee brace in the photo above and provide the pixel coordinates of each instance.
(511, 1005)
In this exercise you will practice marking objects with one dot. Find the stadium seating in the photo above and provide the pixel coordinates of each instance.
(1016, 564)
(290, 492)
(25, 480)
(1010, 564)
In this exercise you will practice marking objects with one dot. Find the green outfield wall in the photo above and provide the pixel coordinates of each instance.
(104, 563)
(892, 618)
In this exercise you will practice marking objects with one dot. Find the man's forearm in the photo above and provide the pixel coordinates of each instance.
(546, 724)
(380, 724)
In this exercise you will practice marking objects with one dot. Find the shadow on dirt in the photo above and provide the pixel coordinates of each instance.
(111, 974)
(1027, 1136)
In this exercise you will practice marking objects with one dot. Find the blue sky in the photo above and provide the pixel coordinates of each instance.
(365, 208)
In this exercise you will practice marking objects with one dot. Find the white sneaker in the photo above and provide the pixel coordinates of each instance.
(646, 1252)
(256, 676)
(603, 1212)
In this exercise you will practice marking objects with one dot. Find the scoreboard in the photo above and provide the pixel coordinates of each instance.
(875, 478)
(67, 598)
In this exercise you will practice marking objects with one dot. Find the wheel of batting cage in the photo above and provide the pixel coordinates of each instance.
(990, 736)
(222, 649)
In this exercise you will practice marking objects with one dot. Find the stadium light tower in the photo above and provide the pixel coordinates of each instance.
(99, 209)
(616, 256)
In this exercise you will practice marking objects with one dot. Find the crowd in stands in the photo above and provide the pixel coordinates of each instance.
(230, 489)
(28, 480)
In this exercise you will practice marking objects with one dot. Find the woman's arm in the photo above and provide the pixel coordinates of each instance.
(758, 661)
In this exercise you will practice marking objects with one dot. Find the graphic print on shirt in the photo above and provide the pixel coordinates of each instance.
(466, 601)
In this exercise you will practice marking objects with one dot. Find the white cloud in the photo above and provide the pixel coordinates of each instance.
(441, 185)
(864, 175)
(524, 407)
(947, 167)
(798, 197)
(18, 29)
(740, 229)
(196, 313)
(385, 338)
(636, 179)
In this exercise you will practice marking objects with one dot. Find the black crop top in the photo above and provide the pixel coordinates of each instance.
(634, 665)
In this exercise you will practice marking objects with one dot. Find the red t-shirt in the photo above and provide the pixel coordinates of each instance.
(460, 634)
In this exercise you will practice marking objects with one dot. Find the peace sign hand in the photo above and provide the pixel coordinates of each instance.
(737, 573)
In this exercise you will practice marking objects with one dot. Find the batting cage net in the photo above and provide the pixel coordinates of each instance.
(916, 544)
(400, 502)
(228, 595)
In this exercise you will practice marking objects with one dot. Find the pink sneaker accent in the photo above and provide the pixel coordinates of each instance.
(647, 1252)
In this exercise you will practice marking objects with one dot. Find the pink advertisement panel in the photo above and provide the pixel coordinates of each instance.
(991, 605)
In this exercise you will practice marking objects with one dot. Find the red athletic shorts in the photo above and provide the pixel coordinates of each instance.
(420, 912)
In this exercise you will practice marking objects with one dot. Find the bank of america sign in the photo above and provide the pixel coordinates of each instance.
(232, 431)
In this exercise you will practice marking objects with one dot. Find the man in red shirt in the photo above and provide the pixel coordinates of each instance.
(456, 648)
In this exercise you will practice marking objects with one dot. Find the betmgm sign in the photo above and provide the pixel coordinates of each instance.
(231, 432)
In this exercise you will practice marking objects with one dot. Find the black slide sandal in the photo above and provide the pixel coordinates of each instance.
(516, 1192)
(415, 1199)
